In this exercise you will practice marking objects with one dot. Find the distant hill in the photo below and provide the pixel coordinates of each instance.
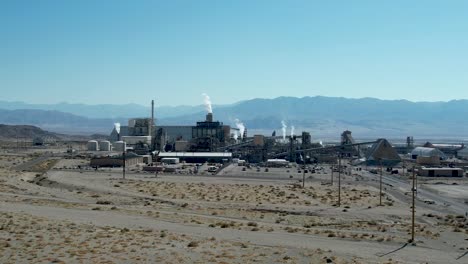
(8, 132)
(331, 115)
(105, 111)
(58, 121)
(13, 132)
(322, 116)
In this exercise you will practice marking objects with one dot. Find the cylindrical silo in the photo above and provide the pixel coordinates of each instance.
(104, 145)
(93, 145)
(119, 146)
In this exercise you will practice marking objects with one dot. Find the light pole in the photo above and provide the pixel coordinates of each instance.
(332, 168)
(303, 171)
(380, 196)
(339, 179)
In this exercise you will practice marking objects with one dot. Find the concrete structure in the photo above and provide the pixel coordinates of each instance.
(120, 146)
(440, 172)
(139, 126)
(104, 145)
(92, 145)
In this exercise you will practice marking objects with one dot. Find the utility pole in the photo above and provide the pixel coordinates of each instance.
(123, 165)
(416, 184)
(380, 196)
(303, 172)
(413, 209)
(339, 179)
(332, 168)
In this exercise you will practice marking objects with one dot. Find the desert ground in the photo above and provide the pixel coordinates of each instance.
(54, 209)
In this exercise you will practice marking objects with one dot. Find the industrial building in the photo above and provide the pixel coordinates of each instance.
(142, 136)
(441, 172)
(198, 157)
(427, 153)
(211, 140)
(277, 163)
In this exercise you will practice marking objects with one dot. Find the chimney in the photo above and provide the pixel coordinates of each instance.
(209, 117)
(152, 117)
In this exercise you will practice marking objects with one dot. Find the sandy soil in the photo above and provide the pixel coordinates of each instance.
(70, 214)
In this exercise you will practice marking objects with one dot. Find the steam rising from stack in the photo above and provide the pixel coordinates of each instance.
(283, 124)
(207, 103)
(241, 127)
(117, 127)
(292, 131)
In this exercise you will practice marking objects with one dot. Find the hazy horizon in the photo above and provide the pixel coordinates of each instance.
(146, 104)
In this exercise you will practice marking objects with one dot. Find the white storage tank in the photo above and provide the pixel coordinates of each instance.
(104, 145)
(93, 145)
(119, 146)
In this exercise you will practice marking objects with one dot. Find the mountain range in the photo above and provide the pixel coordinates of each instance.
(322, 116)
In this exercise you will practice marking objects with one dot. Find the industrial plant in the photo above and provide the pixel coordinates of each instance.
(211, 140)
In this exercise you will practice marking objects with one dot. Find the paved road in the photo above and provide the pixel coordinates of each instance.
(399, 186)
(29, 164)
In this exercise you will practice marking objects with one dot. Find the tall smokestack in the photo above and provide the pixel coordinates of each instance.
(152, 118)
(209, 117)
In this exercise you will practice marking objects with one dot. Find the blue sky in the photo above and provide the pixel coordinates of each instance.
(173, 51)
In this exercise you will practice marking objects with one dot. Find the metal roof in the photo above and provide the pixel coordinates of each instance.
(440, 169)
(195, 154)
(427, 152)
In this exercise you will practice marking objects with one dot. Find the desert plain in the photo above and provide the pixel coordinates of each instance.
(55, 209)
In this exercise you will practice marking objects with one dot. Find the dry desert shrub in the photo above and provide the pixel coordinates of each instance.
(193, 244)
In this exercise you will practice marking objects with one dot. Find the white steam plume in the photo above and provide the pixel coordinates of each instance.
(117, 127)
(283, 124)
(241, 127)
(292, 131)
(207, 102)
(235, 136)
